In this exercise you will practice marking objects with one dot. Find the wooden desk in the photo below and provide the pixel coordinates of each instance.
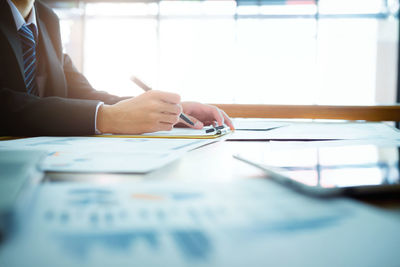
(368, 113)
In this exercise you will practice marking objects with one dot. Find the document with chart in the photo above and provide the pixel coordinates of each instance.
(97, 154)
(248, 223)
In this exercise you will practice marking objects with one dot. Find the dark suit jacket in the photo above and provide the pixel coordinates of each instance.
(68, 102)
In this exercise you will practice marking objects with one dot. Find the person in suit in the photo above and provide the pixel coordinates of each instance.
(42, 93)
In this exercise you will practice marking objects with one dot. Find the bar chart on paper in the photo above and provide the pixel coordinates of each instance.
(199, 224)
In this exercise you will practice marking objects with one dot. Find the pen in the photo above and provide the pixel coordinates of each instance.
(146, 88)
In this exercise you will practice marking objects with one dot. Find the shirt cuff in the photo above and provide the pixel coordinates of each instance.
(96, 131)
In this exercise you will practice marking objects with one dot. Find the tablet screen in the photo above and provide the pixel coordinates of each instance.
(335, 167)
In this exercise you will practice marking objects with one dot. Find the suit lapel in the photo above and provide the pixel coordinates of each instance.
(8, 27)
(56, 84)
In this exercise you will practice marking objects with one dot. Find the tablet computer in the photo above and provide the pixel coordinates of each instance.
(332, 170)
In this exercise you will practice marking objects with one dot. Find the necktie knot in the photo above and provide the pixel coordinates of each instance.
(28, 32)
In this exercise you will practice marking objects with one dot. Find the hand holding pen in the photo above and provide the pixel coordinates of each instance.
(146, 88)
(196, 114)
(156, 111)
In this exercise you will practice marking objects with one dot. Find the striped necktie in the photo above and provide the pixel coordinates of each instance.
(27, 37)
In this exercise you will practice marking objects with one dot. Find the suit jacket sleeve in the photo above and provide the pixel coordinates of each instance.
(27, 115)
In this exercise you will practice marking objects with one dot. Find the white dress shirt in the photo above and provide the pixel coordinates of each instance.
(19, 19)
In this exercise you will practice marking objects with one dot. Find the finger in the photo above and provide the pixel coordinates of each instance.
(197, 124)
(228, 121)
(168, 118)
(207, 123)
(167, 97)
(169, 108)
(164, 126)
(217, 116)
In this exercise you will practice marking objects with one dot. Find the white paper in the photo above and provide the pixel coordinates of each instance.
(335, 131)
(256, 124)
(104, 154)
(184, 132)
(322, 131)
(290, 145)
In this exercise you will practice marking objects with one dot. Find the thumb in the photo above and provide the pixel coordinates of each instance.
(197, 124)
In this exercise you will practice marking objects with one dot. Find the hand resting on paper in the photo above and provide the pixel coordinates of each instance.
(156, 111)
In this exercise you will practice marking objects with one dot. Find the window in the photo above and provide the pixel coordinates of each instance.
(269, 52)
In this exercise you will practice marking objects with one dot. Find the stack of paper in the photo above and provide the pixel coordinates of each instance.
(306, 131)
